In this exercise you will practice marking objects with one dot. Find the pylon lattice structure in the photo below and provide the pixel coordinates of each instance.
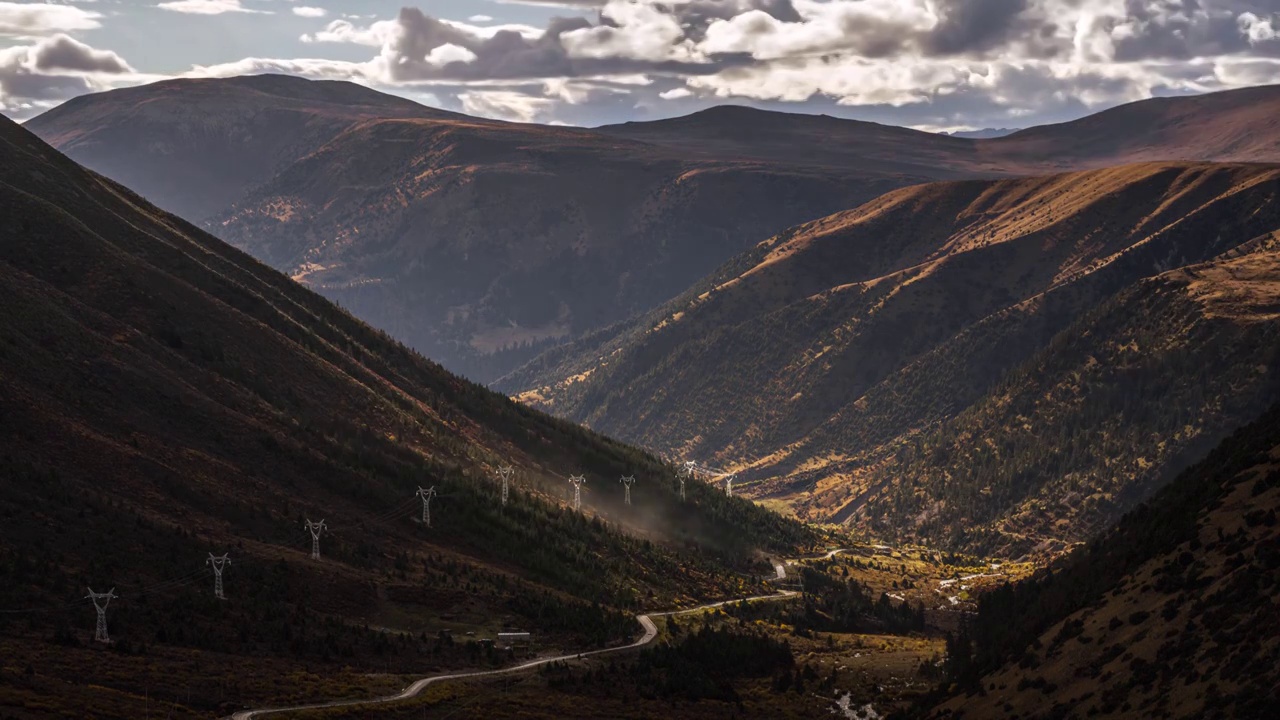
(315, 529)
(100, 603)
(218, 563)
(426, 495)
(692, 468)
(577, 481)
(627, 481)
(686, 472)
(505, 473)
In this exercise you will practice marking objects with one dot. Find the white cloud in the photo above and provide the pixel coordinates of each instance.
(480, 18)
(449, 53)
(1257, 29)
(505, 105)
(343, 31)
(29, 20)
(310, 12)
(208, 7)
(676, 93)
(634, 31)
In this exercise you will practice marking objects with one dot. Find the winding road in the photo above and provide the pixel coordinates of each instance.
(416, 688)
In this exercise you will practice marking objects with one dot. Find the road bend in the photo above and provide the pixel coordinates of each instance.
(416, 688)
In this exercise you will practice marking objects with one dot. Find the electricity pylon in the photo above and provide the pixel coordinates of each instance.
(627, 481)
(100, 603)
(505, 472)
(426, 495)
(577, 481)
(218, 563)
(315, 529)
(685, 473)
(728, 485)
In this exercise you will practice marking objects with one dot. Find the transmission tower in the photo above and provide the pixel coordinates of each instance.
(627, 481)
(100, 603)
(686, 472)
(505, 472)
(218, 563)
(426, 496)
(728, 485)
(577, 481)
(315, 529)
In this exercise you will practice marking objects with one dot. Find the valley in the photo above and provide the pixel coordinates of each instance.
(318, 402)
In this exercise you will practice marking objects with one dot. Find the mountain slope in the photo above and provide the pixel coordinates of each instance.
(194, 147)
(1230, 126)
(481, 243)
(1170, 614)
(165, 396)
(827, 360)
(476, 242)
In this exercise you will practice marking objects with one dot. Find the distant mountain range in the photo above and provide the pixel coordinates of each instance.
(477, 242)
(1003, 365)
(481, 243)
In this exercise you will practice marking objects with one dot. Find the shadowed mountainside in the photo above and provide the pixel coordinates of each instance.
(166, 395)
(938, 362)
(1171, 614)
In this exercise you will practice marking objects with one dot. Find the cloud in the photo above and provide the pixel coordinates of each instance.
(60, 53)
(208, 7)
(38, 76)
(931, 63)
(29, 20)
(310, 12)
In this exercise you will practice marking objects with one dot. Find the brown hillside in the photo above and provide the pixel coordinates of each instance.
(812, 361)
(1170, 615)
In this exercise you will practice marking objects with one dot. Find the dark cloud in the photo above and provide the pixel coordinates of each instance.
(33, 77)
(974, 25)
(1184, 29)
(64, 53)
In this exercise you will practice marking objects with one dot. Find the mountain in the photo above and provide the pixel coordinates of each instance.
(1171, 614)
(1230, 126)
(166, 396)
(481, 243)
(195, 147)
(1003, 366)
(476, 242)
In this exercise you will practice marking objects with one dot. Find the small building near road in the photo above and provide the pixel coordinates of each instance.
(515, 640)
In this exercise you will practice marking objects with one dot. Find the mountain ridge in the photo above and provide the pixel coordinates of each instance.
(824, 325)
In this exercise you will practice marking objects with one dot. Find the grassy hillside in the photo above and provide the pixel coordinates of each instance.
(829, 362)
(1171, 614)
(165, 396)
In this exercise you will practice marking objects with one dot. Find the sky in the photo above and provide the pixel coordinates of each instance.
(930, 64)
